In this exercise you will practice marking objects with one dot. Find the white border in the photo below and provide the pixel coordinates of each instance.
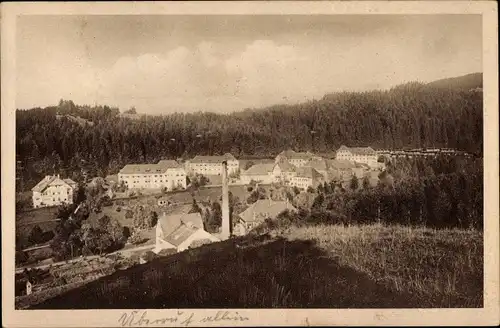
(489, 315)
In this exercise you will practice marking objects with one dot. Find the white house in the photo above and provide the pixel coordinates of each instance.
(212, 165)
(165, 174)
(262, 173)
(53, 191)
(180, 231)
(364, 155)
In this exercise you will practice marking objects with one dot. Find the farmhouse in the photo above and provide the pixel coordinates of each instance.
(258, 212)
(262, 173)
(212, 165)
(364, 155)
(306, 177)
(180, 231)
(165, 174)
(297, 159)
(53, 191)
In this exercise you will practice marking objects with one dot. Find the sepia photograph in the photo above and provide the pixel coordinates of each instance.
(248, 161)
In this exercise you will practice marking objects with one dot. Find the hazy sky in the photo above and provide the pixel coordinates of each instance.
(162, 64)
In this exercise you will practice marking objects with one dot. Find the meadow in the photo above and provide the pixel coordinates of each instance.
(365, 266)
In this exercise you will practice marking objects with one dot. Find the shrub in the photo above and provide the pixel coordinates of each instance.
(118, 209)
(129, 214)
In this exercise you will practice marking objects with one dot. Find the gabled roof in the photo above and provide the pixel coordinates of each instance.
(285, 166)
(359, 150)
(169, 223)
(181, 234)
(52, 180)
(259, 169)
(264, 208)
(213, 159)
(308, 172)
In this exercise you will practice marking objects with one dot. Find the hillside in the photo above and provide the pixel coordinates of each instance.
(411, 115)
(464, 83)
(330, 266)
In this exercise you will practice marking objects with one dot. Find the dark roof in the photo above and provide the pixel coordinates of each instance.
(264, 208)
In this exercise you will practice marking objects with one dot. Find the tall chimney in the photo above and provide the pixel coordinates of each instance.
(225, 204)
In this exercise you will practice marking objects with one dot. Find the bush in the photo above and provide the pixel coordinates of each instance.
(129, 214)
(118, 209)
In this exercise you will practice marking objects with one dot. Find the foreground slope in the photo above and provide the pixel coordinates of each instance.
(321, 266)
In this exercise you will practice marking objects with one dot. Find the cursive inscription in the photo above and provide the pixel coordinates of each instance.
(180, 318)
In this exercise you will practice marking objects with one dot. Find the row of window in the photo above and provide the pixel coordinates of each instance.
(154, 182)
(156, 176)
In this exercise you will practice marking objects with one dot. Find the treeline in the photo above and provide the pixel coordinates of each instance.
(410, 115)
(450, 198)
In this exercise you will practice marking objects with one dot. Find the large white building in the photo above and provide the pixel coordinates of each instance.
(364, 155)
(165, 174)
(53, 191)
(212, 165)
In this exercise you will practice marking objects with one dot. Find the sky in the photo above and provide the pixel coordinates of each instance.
(164, 64)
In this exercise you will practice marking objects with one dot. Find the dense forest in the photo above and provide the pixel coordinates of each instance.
(409, 115)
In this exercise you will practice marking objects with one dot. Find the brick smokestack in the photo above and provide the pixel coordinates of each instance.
(225, 204)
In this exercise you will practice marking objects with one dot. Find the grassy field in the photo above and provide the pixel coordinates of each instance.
(323, 266)
(441, 267)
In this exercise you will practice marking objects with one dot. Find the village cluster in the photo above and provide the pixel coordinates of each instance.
(300, 170)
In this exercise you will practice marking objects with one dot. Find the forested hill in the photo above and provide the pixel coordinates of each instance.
(466, 82)
(408, 115)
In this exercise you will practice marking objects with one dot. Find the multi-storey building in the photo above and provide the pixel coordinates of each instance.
(53, 191)
(212, 165)
(165, 174)
(364, 155)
